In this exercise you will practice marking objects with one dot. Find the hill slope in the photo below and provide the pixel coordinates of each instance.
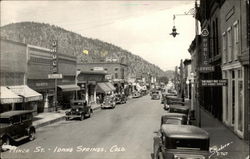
(41, 34)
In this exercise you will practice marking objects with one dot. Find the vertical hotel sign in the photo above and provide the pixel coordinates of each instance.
(54, 57)
(205, 67)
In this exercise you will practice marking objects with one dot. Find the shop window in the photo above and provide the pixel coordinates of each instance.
(226, 97)
(116, 75)
(233, 97)
(236, 40)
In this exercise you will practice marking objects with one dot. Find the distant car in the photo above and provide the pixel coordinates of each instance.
(79, 109)
(109, 102)
(155, 95)
(136, 94)
(120, 98)
(16, 126)
(181, 142)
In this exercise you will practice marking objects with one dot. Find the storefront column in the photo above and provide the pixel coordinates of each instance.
(95, 94)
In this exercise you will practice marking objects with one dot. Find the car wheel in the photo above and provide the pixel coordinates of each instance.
(32, 135)
(82, 117)
(6, 141)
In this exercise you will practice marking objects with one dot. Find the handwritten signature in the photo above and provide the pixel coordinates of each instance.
(214, 150)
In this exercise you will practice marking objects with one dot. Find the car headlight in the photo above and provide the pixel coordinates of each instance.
(77, 110)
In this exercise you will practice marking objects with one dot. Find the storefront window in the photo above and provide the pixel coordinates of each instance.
(240, 101)
(233, 97)
(226, 97)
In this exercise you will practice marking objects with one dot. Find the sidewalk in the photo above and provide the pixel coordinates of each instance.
(47, 118)
(228, 144)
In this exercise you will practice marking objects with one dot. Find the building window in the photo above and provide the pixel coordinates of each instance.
(105, 69)
(233, 96)
(116, 69)
(224, 48)
(226, 97)
(240, 101)
(116, 75)
(91, 69)
(236, 40)
(229, 44)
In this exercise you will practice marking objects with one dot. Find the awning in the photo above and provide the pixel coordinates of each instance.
(110, 86)
(7, 96)
(28, 93)
(68, 88)
(102, 88)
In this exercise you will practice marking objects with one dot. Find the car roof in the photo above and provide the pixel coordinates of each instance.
(14, 113)
(183, 107)
(184, 131)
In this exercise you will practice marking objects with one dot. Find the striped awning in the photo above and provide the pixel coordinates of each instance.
(26, 92)
(7, 96)
(110, 85)
(102, 88)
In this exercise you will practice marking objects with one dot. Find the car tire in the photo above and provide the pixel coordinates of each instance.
(82, 117)
(32, 135)
(6, 140)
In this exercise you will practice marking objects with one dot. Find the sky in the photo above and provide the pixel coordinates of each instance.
(141, 27)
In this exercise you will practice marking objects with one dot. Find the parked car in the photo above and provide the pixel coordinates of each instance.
(174, 118)
(144, 92)
(181, 142)
(16, 126)
(120, 98)
(156, 95)
(136, 94)
(108, 102)
(79, 109)
(179, 109)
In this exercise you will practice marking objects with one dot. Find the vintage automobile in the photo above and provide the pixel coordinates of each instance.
(155, 95)
(174, 118)
(179, 109)
(108, 102)
(181, 142)
(16, 126)
(136, 94)
(174, 100)
(120, 99)
(79, 109)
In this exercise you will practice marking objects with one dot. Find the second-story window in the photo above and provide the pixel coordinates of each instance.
(236, 40)
(229, 44)
(116, 69)
(224, 48)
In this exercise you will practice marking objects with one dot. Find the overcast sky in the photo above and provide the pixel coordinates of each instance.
(141, 27)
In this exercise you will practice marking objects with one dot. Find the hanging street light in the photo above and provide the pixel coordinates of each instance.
(174, 33)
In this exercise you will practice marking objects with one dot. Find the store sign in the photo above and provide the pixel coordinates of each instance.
(55, 76)
(98, 69)
(42, 84)
(206, 69)
(213, 83)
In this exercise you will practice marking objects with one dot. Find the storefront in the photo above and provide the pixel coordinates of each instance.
(30, 97)
(8, 99)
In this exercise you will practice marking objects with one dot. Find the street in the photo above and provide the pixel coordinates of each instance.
(125, 132)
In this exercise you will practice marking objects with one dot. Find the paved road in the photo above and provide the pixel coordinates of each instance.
(125, 132)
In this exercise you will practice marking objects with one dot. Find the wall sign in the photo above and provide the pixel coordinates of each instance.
(213, 83)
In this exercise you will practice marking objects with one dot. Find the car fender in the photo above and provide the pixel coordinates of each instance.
(31, 128)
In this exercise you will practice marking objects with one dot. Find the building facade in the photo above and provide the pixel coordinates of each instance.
(235, 65)
(15, 93)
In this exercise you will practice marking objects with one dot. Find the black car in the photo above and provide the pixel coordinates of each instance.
(120, 98)
(79, 109)
(181, 142)
(174, 118)
(16, 126)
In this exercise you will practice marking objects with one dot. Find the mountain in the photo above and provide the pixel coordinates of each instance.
(41, 34)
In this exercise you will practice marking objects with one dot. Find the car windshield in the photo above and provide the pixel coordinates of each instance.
(4, 120)
(199, 144)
